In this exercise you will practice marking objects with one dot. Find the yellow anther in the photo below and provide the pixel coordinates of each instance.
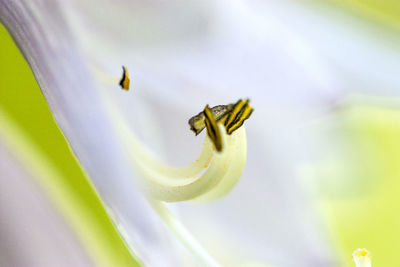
(197, 123)
(213, 129)
(125, 81)
(232, 115)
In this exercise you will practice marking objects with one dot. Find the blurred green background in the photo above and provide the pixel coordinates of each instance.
(385, 12)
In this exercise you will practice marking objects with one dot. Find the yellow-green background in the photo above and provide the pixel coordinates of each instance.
(364, 212)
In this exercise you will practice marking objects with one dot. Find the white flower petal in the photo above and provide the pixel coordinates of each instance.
(235, 55)
(221, 51)
(61, 72)
(354, 47)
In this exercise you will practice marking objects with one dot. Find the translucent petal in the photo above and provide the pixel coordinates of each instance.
(79, 111)
(222, 51)
(32, 230)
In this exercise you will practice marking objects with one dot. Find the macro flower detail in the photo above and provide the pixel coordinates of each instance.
(213, 174)
(216, 170)
(231, 116)
(317, 161)
(213, 131)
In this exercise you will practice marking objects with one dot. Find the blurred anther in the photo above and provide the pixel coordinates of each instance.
(125, 81)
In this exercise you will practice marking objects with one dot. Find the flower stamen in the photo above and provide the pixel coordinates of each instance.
(197, 123)
(232, 116)
(212, 129)
(125, 81)
(212, 175)
(241, 112)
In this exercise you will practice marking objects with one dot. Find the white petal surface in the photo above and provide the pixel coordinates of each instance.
(44, 39)
(183, 56)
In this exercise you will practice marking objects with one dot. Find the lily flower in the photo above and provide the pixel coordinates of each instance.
(182, 55)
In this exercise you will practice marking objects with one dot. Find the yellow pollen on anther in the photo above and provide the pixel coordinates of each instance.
(125, 81)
